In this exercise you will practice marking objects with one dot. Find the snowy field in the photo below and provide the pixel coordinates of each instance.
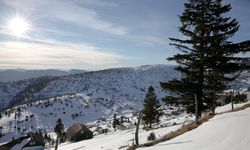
(229, 131)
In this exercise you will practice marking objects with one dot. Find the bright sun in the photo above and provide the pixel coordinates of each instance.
(18, 26)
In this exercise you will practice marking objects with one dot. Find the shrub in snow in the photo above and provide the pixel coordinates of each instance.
(237, 98)
(151, 136)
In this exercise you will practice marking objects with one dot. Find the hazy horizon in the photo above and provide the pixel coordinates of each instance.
(72, 69)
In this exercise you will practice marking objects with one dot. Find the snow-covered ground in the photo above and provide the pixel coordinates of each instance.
(229, 131)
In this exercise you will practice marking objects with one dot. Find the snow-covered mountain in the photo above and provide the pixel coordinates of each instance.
(106, 85)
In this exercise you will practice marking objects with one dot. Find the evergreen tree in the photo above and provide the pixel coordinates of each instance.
(207, 56)
(59, 130)
(115, 121)
(151, 112)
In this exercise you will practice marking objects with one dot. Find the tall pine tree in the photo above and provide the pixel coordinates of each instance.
(59, 129)
(206, 57)
(151, 112)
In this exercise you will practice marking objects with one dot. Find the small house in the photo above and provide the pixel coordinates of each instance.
(101, 130)
(36, 142)
(79, 132)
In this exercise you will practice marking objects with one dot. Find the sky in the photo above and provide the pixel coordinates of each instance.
(95, 34)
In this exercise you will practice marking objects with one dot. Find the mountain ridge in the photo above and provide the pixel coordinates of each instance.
(102, 83)
(9, 75)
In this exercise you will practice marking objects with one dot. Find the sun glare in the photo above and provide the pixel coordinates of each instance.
(18, 26)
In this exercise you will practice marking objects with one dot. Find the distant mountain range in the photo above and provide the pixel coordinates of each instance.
(21, 74)
(119, 84)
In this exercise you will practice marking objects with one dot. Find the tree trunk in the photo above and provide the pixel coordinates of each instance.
(137, 129)
(196, 109)
(232, 94)
(213, 104)
(57, 139)
(213, 109)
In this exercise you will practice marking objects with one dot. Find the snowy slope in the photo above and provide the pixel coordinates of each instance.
(10, 89)
(117, 84)
(12, 92)
(229, 131)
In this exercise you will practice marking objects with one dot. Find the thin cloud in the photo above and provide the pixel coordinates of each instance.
(147, 40)
(39, 55)
(109, 3)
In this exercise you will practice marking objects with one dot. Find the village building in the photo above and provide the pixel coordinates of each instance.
(32, 141)
(36, 142)
(79, 132)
